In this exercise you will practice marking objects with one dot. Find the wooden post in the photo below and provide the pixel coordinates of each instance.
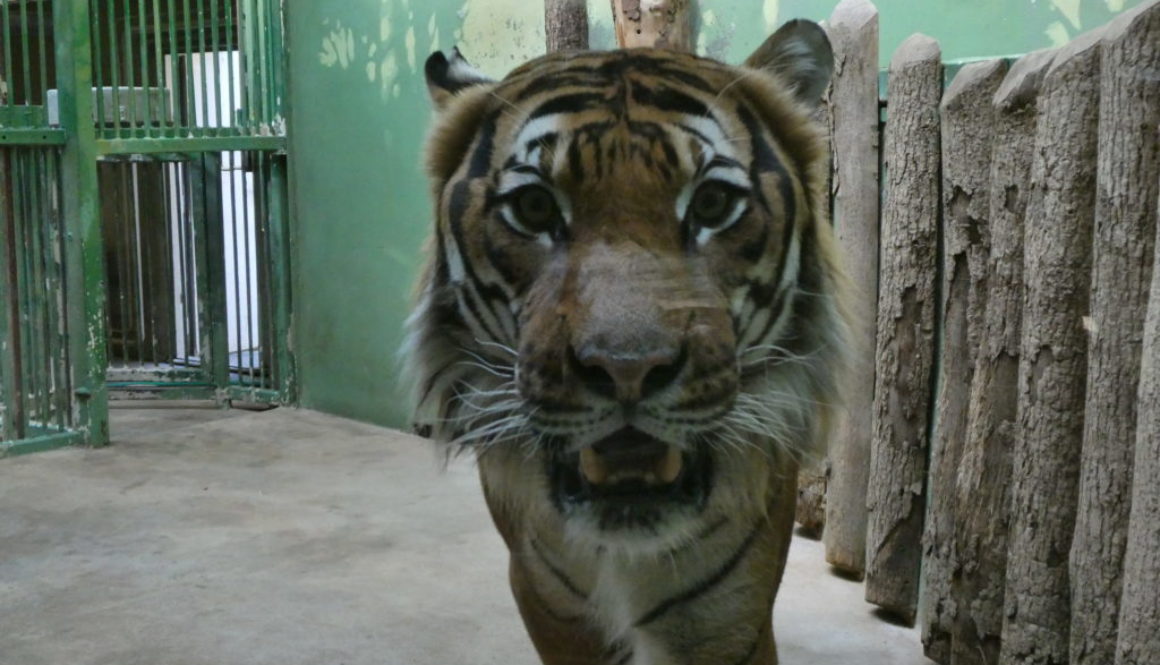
(654, 23)
(1053, 359)
(1129, 161)
(853, 108)
(566, 25)
(984, 476)
(1139, 641)
(810, 511)
(906, 304)
(967, 131)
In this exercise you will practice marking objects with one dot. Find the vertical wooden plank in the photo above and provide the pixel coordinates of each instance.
(1128, 163)
(906, 310)
(1053, 359)
(654, 23)
(566, 25)
(1139, 641)
(984, 476)
(853, 104)
(967, 133)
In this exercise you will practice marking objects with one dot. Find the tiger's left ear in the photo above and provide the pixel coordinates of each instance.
(799, 54)
(447, 76)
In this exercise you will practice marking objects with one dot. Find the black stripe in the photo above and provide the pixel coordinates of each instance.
(572, 103)
(559, 574)
(667, 99)
(481, 157)
(706, 584)
(456, 209)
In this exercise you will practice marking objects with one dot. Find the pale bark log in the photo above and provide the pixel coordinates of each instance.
(1139, 639)
(1053, 359)
(983, 485)
(566, 25)
(853, 103)
(906, 307)
(1128, 164)
(967, 132)
(654, 23)
(810, 511)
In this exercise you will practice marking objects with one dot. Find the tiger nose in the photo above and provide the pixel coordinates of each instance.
(627, 377)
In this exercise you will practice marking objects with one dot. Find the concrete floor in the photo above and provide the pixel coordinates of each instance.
(291, 537)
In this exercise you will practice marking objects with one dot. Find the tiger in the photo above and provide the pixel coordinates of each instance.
(633, 316)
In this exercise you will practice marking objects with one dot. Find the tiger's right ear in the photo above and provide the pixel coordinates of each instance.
(447, 76)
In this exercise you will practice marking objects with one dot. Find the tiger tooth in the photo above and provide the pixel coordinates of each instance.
(669, 466)
(593, 466)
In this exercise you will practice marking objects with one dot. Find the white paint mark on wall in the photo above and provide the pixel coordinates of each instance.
(770, 11)
(1057, 33)
(337, 48)
(410, 42)
(1070, 11)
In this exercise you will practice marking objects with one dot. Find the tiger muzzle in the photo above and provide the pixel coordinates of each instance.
(630, 480)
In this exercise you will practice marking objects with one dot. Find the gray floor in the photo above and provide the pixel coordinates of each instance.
(291, 537)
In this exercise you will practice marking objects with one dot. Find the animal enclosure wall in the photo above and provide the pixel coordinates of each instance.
(359, 111)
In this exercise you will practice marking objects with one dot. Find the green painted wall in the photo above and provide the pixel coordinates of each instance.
(359, 113)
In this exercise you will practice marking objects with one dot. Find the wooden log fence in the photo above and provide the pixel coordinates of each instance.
(999, 452)
(853, 116)
(1031, 463)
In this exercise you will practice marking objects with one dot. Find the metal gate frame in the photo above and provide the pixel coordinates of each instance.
(80, 145)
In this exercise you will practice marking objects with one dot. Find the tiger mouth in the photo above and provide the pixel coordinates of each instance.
(630, 479)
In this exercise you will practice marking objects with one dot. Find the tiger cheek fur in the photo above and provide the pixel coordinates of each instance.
(633, 317)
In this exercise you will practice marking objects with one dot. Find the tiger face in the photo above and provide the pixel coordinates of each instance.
(631, 312)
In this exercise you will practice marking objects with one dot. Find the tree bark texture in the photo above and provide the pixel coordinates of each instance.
(853, 103)
(566, 25)
(1128, 166)
(1139, 639)
(967, 133)
(905, 341)
(1053, 359)
(654, 23)
(983, 483)
(811, 498)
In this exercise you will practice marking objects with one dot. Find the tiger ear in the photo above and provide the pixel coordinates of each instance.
(799, 54)
(447, 76)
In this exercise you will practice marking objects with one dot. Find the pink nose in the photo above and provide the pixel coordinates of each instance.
(628, 377)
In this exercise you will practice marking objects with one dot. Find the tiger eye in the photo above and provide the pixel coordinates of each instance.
(536, 209)
(712, 202)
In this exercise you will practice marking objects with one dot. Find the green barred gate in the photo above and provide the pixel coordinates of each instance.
(143, 210)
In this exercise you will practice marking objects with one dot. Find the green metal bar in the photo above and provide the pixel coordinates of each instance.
(99, 77)
(233, 167)
(255, 395)
(115, 70)
(42, 32)
(84, 251)
(26, 53)
(127, 375)
(280, 283)
(9, 79)
(211, 287)
(146, 86)
(12, 422)
(201, 57)
(231, 48)
(130, 70)
(187, 87)
(215, 51)
(175, 80)
(15, 137)
(26, 341)
(41, 443)
(188, 145)
(38, 294)
(191, 391)
(49, 172)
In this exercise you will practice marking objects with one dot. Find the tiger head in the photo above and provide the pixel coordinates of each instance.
(631, 310)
